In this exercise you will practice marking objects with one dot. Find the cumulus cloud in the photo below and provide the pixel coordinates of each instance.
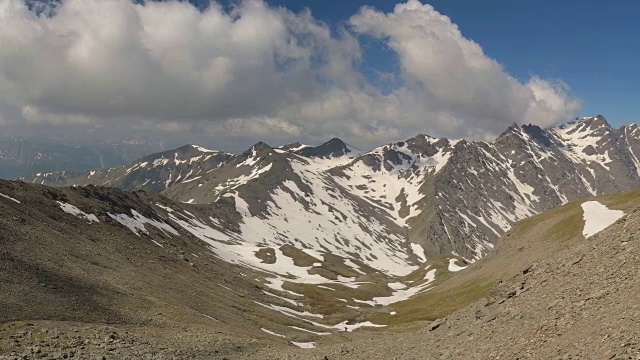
(455, 78)
(257, 70)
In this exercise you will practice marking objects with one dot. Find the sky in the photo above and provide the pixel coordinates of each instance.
(228, 74)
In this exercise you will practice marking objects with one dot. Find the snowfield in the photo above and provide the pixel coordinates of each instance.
(597, 217)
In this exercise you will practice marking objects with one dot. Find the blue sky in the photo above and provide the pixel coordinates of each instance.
(251, 71)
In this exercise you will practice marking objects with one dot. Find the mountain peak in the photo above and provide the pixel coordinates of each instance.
(258, 149)
(421, 138)
(537, 133)
(590, 121)
(598, 121)
(335, 140)
(330, 149)
(514, 128)
(261, 146)
(595, 125)
(295, 146)
(204, 150)
(182, 151)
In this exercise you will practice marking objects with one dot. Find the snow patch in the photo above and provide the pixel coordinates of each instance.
(160, 162)
(209, 317)
(70, 209)
(272, 332)
(343, 326)
(402, 294)
(201, 149)
(419, 251)
(326, 287)
(9, 198)
(310, 331)
(453, 267)
(136, 223)
(397, 286)
(597, 217)
(304, 345)
(351, 327)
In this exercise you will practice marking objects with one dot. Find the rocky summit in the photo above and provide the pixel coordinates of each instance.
(423, 248)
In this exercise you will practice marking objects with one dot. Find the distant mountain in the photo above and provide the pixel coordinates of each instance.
(154, 172)
(399, 204)
(331, 149)
(21, 156)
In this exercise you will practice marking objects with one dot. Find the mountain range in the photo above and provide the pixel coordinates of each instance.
(395, 206)
(20, 156)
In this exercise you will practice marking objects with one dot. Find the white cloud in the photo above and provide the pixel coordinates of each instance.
(455, 78)
(257, 71)
(259, 126)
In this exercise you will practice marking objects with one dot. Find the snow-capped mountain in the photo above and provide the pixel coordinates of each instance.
(286, 198)
(485, 187)
(398, 205)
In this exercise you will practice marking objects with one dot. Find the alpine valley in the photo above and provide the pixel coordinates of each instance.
(198, 253)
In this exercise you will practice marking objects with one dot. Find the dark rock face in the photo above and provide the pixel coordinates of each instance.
(332, 148)
(538, 134)
(292, 146)
(425, 145)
